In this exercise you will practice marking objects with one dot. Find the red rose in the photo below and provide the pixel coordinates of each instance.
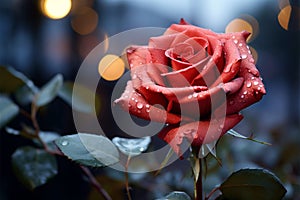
(194, 80)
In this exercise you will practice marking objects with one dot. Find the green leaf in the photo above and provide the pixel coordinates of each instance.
(89, 149)
(11, 80)
(176, 195)
(8, 110)
(49, 91)
(24, 95)
(80, 100)
(33, 167)
(132, 147)
(249, 184)
(236, 134)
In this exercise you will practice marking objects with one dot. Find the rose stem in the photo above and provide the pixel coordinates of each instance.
(126, 178)
(198, 185)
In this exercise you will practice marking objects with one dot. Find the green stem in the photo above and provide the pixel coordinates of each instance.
(198, 182)
(126, 178)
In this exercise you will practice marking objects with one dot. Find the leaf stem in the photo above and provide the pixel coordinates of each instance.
(95, 183)
(211, 193)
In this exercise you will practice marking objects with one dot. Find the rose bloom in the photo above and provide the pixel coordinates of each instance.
(193, 80)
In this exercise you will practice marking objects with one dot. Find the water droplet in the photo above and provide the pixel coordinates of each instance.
(249, 51)
(190, 96)
(195, 95)
(243, 56)
(132, 98)
(147, 87)
(139, 105)
(142, 149)
(249, 84)
(242, 96)
(258, 88)
(252, 78)
(141, 63)
(136, 101)
(240, 44)
(255, 83)
(131, 65)
(64, 143)
(245, 92)
(158, 90)
(147, 106)
(261, 78)
(233, 37)
(248, 47)
(227, 69)
(134, 76)
(147, 110)
(235, 41)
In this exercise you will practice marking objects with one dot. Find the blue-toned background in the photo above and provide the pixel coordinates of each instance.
(41, 47)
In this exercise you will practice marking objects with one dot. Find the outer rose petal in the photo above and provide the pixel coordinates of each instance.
(138, 106)
(253, 88)
(198, 133)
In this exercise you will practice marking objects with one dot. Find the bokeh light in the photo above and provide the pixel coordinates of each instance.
(84, 21)
(289, 17)
(111, 67)
(244, 23)
(56, 9)
(284, 17)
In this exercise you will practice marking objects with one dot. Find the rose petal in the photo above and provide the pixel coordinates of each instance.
(200, 104)
(135, 103)
(185, 77)
(253, 89)
(233, 60)
(198, 133)
(139, 55)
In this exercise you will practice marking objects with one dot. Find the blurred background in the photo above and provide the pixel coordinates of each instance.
(44, 37)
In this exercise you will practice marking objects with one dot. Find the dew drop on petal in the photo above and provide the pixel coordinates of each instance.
(64, 143)
(147, 106)
(190, 96)
(258, 88)
(243, 56)
(139, 105)
(240, 44)
(147, 110)
(235, 41)
(132, 98)
(249, 84)
(242, 96)
(255, 83)
(245, 92)
(195, 95)
(134, 76)
(147, 87)
(252, 78)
